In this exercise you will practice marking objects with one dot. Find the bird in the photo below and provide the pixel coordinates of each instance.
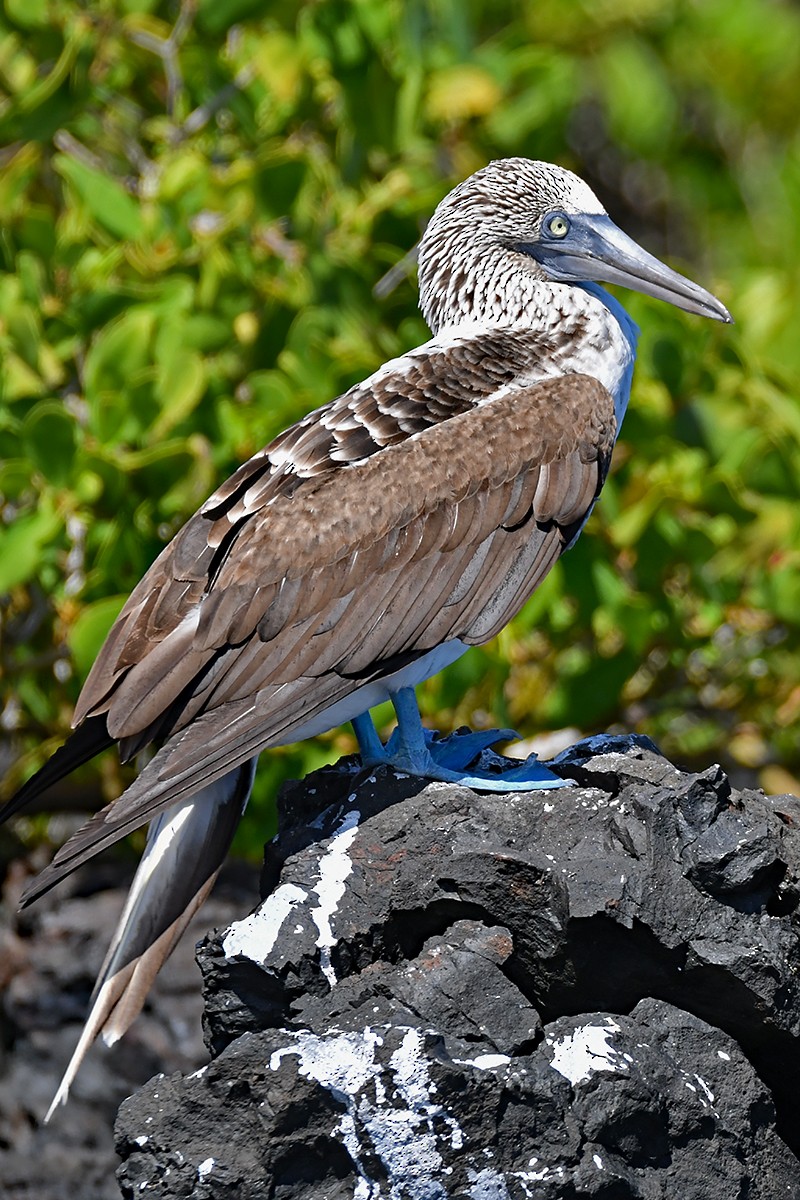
(364, 549)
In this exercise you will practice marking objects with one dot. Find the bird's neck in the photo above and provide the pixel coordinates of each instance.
(584, 329)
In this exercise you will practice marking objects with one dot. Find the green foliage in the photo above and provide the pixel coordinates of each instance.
(197, 201)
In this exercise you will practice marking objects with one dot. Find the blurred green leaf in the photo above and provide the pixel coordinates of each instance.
(27, 13)
(118, 362)
(49, 437)
(21, 546)
(179, 388)
(106, 200)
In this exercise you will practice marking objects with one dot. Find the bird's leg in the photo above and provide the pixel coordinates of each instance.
(370, 746)
(451, 753)
(419, 751)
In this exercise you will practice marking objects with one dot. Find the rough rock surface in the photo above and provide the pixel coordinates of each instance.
(590, 992)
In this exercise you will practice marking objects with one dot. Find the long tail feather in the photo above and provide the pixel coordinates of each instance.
(89, 739)
(185, 849)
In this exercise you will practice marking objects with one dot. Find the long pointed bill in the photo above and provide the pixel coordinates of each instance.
(597, 250)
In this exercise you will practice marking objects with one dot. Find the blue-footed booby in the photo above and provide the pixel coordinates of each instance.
(365, 548)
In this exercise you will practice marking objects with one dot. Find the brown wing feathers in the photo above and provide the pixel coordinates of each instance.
(302, 576)
(446, 535)
(425, 386)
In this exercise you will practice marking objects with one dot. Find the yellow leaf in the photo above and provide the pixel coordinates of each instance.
(245, 326)
(278, 61)
(777, 781)
(457, 93)
(19, 379)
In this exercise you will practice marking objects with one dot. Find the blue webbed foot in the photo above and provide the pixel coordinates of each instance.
(418, 751)
(457, 750)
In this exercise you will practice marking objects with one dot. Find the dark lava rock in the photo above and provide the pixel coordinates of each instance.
(588, 992)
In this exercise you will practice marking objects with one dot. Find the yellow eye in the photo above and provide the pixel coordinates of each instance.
(557, 226)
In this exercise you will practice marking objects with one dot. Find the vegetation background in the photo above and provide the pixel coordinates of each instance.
(197, 200)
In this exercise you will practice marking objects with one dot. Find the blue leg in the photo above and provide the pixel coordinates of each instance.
(456, 751)
(418, 751)
(370, 746)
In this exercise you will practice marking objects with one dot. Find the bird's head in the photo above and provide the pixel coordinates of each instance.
(547, 221)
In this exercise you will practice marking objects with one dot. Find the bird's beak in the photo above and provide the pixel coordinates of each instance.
(596, 250)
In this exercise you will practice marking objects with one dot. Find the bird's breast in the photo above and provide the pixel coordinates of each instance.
(607, 349)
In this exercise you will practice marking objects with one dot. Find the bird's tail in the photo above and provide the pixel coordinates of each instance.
(185, 848)
(89, 739)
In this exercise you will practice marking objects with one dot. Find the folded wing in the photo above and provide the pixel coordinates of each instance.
(288, 591)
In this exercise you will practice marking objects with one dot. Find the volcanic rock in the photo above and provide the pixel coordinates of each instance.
(584, 992)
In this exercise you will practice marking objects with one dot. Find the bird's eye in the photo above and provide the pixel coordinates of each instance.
(557, 226)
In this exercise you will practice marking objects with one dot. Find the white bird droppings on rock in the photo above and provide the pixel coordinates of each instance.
(587, 1049)
(487, 1184)
(255, 936)
(396, 1118)
(484, 1062)
(334, 868)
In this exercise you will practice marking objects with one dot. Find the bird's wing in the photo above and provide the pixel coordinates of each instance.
(157, 629)
(241, 549)
(441, 535)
